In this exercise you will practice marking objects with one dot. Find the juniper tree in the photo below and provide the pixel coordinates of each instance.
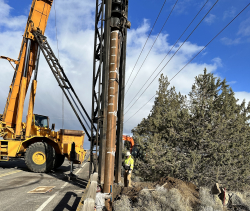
(204, 139)
(158, 134)
(217, 134)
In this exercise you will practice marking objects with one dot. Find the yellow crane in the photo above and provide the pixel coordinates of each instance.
(42, 147)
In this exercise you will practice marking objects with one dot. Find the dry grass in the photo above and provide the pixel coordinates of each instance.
(123, 204)
(208, 201)
(160, 199)
(163, 199)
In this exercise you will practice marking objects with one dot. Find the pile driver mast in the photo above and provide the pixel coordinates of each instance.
(108, 87)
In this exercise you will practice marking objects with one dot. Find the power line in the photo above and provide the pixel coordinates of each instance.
(146, 40)
(152, 46)
(169, 51)
(193, 58)
(169, 59)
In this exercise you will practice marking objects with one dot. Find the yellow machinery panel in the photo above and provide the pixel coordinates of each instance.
(13, 148)
(67, 137)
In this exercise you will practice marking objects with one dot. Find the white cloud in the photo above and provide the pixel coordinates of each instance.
(218, 61)
(182, 82)
(6, 20)
(228, 41)
(76, 35)
(244, 28)
(183, 7)
(232, 82)
(242, 96)
(210, 19)
(229, 13)
(244, 31)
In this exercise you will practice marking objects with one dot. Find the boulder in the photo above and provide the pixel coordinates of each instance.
(216, 189)
(236, 203)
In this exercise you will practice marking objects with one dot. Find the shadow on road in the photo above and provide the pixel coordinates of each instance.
(64, 203)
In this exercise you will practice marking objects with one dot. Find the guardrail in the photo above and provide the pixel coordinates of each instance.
(87, 202)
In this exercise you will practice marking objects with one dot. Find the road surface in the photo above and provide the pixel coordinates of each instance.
(16, 181)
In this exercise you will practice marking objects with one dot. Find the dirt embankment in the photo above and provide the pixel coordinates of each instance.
(187, 189)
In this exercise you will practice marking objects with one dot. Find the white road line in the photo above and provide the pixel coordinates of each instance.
(64, 185)
(78, 171)
(84, 164)
(80, 168)
(47, 201)
(53, 196)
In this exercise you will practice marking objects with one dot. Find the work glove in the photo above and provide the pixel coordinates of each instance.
(129, 172)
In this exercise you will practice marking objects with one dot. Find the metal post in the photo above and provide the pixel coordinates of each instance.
(120, 114)
(105, 78)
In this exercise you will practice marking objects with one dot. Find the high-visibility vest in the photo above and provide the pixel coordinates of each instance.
(129, 162)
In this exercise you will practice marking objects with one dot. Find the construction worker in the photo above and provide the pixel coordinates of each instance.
(128, 166)
(100, 199)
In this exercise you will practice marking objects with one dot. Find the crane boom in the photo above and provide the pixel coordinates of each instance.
(38, 17)
(64, 83)
(42, 148)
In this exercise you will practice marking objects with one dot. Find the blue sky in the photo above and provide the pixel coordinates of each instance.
(227, 56)
(232, 46)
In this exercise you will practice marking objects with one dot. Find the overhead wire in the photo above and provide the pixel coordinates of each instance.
(59, 61)
(192, 59)
(146, 41)
(152, 46)
(168, 60)
(168, 52)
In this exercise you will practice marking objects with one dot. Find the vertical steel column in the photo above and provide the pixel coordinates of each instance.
(32, 96)
(95, 99)
(96, 81)
(106, 57)
(22, 91)
(112, 113)
(120, 114)
(100, 82)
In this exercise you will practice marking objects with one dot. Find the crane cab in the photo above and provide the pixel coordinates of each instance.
(40, 121)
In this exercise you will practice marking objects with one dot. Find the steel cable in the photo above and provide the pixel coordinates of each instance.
(59, 61)
(192, 59)
(168, 53)
(169, 59)
(151, 47)
(146, 41)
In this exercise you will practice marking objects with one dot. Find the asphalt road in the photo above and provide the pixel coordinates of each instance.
(16, 181)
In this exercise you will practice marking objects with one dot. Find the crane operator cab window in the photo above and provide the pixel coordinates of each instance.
(41, 121)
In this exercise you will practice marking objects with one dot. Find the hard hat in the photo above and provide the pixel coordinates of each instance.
(128, 154)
